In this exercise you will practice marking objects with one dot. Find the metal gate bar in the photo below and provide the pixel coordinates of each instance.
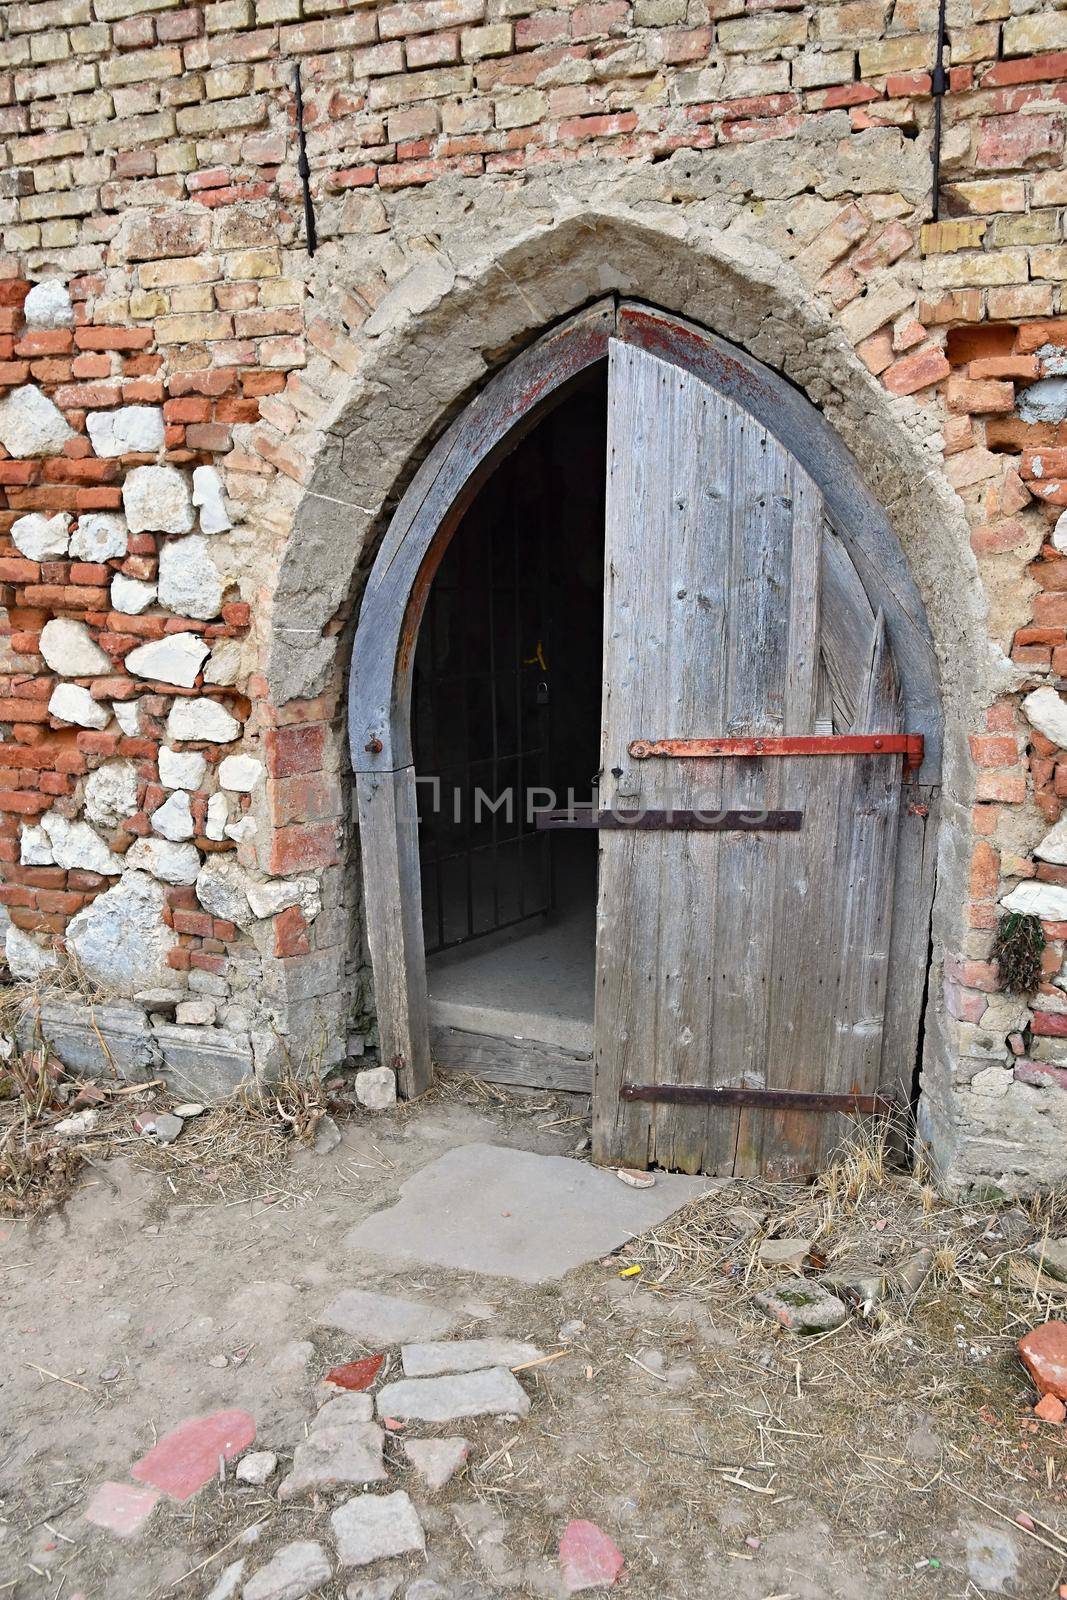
(694, 821)
(909, 745)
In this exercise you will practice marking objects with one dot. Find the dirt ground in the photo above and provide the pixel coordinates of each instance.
(724, 1455)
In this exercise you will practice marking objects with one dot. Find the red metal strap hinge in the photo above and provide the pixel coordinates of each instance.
(909, 745)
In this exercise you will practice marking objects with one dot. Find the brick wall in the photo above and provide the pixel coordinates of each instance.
(150, 173)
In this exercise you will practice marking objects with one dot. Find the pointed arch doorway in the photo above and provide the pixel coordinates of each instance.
(762, 908)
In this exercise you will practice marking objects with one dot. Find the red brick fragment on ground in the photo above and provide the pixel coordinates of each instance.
(121, 1508)
(1044, 1355)
(587, 1557)
(356, 1374)
(1050, 1409)
(188, 1457)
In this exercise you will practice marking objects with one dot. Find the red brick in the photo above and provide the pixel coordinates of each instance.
(291, 933)
(916, 371)
(304, 848)
(298, 748)
(89, 338)
(1026, 69)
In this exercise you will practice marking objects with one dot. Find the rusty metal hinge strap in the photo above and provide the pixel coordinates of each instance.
(909, 745)
(761, 1099)
(696, 821)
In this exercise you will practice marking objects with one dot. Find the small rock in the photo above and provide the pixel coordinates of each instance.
(77, 1126)
(372, 1526)
(464, 1355)
(803, 1307)
(189, 1108)
(257, 1467)
(1044, 1355)
(436, 1460)
(334, 1456)
(159, 1126)
(381, 1589)
(218, 1361)
(297, 1570)
(26, 958)
(1051, 1256)
(239, 773)
(173, 820)
(169, 861)
(195, 1014)
(229, 1582)
(189, 583)
(588, 1559)
(376, 1088)
(635, 1177)
(495, 1392)
(571, 1331)
(1050, 1409)
(327, 1136)
(784, 1254)
(131, 596)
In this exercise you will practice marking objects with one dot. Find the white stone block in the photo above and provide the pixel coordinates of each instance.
(1047, 712)
(128, 716)
(48, 305)
(99, 536)
(174, 819)
(34, 848)
(121, 939)
(218, 812)
(70, 649)
(176, 658)
(189, 582)
(240, 773)
(200, 721)
(222, 889)
(128, 430)
(70, 703)
(210, 500)
(30, 425)
(168, 861)
(75, 845)
(1044, 900)
(224, 663)
(181, 769)
(131, 595)
(26, 958)
(41, 538)
(1053, 846)
(111, 793)
(267, 899)
(157, 500)
(376, 1088)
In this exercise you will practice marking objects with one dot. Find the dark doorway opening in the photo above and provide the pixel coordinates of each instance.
(506, 719)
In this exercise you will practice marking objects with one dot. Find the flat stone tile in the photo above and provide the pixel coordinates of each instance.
(372, 1526)
(513, 1214)
(464, 1355)
(496, 1392)
(188, 1457)
(387, 1318)
(121, 1508)
(333, 1457)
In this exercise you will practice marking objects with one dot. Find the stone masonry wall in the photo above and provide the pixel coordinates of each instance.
(183, 386)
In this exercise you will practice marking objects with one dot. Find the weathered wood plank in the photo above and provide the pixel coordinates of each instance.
(522, 1063)
(855, 514)
(392, 892)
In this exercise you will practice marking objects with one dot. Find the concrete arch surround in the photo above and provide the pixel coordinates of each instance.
(442, 338)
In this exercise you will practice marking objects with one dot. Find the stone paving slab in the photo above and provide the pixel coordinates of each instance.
(464, 1355)
(379, 1319)
(121, 1508)
(372, 1526)
(495, 1392)
(336, 1456)
(514, 1214)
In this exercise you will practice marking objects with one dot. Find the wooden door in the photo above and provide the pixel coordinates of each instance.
(750, 961)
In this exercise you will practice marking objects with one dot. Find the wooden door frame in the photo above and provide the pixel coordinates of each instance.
(494, 422)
